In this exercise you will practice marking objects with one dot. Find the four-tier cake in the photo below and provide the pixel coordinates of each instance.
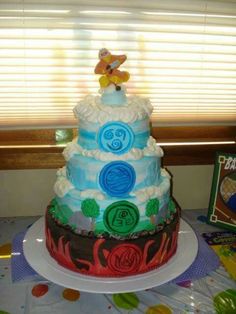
(113, 214)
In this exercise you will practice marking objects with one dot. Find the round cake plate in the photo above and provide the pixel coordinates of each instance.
(40, 260)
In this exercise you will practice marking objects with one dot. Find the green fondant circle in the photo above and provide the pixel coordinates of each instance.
(121, 217)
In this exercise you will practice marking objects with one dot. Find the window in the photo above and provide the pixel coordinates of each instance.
(181, 55)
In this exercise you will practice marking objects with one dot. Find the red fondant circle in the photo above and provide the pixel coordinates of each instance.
(125, 258)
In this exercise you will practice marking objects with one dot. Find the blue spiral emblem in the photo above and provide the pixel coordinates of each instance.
(115, 137)
(108, 134)
(117, 178)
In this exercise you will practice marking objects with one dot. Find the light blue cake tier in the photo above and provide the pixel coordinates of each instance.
(86, 172)
(132, 135)
(73, 199)
(113, 129)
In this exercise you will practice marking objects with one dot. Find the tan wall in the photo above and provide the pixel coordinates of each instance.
(192, 185)
(27, 192)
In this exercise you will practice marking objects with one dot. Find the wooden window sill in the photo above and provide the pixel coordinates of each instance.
(42, 152)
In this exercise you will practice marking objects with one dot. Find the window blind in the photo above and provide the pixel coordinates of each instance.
(181, 55)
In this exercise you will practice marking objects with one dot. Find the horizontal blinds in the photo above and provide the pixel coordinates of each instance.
(181, 55)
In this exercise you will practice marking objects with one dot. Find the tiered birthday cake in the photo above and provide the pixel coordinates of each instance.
(113, 214)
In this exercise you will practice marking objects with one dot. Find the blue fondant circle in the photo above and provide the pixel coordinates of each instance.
(115, 137)
(117, 178)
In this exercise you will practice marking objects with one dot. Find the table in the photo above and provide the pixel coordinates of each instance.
(35, 297)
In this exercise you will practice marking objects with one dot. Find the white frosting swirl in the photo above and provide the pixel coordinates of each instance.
(151, 149)
(62, 185)
(154, 191)
(165, 173)
(96, 194)
(92, 110)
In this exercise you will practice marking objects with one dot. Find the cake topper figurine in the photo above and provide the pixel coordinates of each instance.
(108, 67)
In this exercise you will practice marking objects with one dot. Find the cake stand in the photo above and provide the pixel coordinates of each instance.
(41, 261)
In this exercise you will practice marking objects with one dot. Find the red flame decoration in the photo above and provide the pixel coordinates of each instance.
(124, 259)
(61, 251)
(96, 268)
(128, 262)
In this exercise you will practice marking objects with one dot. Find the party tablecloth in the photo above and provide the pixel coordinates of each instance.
(213, 293)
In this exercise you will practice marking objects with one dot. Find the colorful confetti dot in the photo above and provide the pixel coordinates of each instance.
(5, 250)
(225, 302)
(39, 290)
(185, 284)
(128, 301)
(159, 309)
(71, 295)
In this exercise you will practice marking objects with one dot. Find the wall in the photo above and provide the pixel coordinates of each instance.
(27, 192)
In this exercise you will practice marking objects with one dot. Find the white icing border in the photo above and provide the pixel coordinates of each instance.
(63, 186)
(92, 110)
(153, 190)
(152, 149)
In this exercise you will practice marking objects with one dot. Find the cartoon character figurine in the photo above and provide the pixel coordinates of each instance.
(108, 67)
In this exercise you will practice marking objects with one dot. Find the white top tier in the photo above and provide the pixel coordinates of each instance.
(92, 109)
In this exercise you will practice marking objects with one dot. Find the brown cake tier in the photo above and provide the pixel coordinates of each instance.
(106, 256)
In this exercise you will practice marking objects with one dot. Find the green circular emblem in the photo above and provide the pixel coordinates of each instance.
(121, 217)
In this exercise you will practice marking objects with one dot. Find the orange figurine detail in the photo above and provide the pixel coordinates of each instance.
(108, 67)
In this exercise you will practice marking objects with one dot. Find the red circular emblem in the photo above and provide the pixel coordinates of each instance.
(125, 258)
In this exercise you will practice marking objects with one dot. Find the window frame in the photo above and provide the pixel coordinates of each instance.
(38, 149)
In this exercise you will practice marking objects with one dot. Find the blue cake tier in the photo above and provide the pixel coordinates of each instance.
(92, 210)
(113, 129)
(116, 137)
(115, 178)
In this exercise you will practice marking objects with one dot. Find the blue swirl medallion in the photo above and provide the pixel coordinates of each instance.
(117, 178)
(115, 137)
